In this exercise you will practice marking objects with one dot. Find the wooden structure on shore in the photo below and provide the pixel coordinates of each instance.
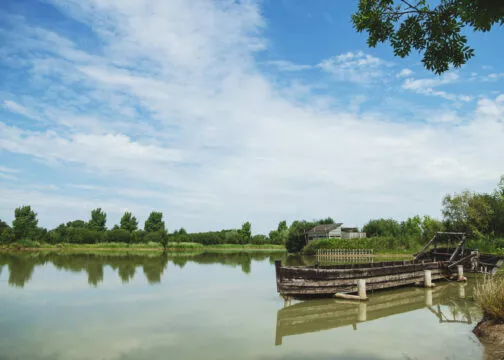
(427, 266)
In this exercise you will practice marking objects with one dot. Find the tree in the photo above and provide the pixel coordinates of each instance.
(25, 223)
(3, 226)
(326, 221)
(98, 220)
(434, 30)
(282, 226)
(154, 222)
(468, 212)
(129, 222)
(382, 227)
(296, 238)
(246, 232)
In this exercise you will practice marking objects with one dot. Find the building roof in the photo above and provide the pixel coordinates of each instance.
(350, 229)
(324, 228)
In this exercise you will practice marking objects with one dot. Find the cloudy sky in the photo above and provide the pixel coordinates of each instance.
(217, 112)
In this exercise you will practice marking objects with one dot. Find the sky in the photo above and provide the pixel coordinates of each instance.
(219, 112)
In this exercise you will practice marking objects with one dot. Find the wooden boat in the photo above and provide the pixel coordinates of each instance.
(329, 280)
(443, 263)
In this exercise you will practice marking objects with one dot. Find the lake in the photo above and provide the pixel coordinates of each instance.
(214, 306)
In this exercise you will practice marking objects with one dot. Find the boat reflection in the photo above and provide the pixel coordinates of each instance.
(448, 302)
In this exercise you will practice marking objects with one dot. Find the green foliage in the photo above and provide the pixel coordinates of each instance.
(382, 227)
(76, 224)
(3, 226)
(7, 236)
(259, 240)
(164, 238)
(326, 221)
(378, 244)
(296, 238)
(119, 235)
(282, 226)
(233, 237)
(246, 232)
(129, 222)
(25, 223)
(471, 213)
(434, 30)
(154, 222)
(98, 220)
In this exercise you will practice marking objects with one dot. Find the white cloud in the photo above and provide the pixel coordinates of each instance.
(404, 73)
(427, 86)
(354, 67)
(213, 142)
(19, 109)
(284, 65)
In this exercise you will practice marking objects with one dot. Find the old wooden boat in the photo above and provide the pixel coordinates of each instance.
(442, 263)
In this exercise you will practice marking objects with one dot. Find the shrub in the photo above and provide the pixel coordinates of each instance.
(490, 297)
(259, 240)
(119, 236)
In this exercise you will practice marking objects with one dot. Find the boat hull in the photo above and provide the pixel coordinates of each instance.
(327, 281)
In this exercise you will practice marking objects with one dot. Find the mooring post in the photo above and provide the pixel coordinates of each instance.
(460, 273)
(362, 312)
(361, 289)
(287, 301)
(427, 278)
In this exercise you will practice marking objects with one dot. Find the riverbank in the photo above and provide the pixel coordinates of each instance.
(143, 247)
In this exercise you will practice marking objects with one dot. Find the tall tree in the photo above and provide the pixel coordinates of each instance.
(246, 232)
(98, 220)
(432, 29)
(467, 212)
(154, 222)
(282, 226)
(25, 223)
(129, 222)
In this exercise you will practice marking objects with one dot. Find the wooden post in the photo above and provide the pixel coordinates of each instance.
(460, 273)
(427, 278)
(361, 289)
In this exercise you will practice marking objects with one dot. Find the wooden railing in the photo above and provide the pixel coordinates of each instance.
(344, 253)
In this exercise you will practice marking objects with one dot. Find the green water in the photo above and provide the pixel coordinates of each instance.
(213, 306)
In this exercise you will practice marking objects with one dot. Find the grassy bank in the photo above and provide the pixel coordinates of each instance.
(151, 246)
(490, 297)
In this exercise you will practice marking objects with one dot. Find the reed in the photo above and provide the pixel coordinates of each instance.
(489, 295)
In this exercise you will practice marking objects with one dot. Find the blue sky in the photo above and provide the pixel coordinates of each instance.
(218, 112)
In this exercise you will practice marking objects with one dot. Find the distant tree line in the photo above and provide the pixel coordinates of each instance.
(479, 215)
(25, 230)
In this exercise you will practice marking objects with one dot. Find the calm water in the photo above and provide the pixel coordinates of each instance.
(213, 306)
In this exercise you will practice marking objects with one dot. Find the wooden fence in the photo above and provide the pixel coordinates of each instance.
(344, 253)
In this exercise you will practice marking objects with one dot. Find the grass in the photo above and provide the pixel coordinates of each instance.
(490, 297)
(152, 246)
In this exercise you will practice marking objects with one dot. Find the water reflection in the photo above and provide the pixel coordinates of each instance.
(21, 265)
(447, 302)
